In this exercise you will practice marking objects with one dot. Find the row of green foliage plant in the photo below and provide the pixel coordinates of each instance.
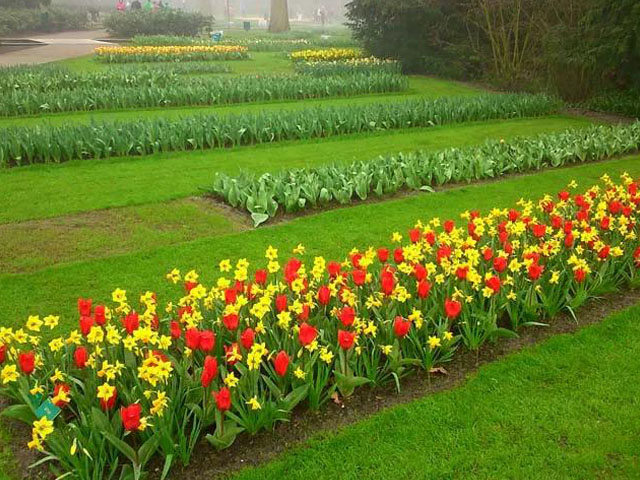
(623, 103)
(347, 67)
(255, 44)
(152, 89)
(299, 189)
(54, 144)
(51, 78)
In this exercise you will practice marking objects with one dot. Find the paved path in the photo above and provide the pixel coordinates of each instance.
(58, 47)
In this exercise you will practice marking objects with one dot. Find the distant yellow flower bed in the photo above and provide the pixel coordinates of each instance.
(326, 55)
(170, 53)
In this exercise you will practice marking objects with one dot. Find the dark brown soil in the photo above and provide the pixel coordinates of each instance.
(208, 464)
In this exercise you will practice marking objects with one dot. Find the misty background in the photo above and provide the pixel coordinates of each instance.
(302, 10)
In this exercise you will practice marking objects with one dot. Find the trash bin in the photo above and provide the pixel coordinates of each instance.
(246, 26)
(216, 36)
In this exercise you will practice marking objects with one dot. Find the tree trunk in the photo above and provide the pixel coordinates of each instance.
(279, 16)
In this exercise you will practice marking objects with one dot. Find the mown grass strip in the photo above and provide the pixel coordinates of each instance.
(126, 182)
(562, 409)
(56, 289)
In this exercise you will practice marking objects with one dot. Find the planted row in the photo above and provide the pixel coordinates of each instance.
(153, 89)
(347, 67)
(49, 79)
(299, 189)
(326, 55)
(170, 53)
(623, 103)
(253, 44)
(55, 144)
(144, 375)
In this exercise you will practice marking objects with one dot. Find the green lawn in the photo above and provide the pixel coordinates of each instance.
(84, 228)
(566, 409)
(96, 184)
(332, 233)
(150, 185)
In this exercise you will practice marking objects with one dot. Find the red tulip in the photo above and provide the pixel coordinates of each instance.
(307, 334)
(223, 399)
(493, 283)
(260, 277)
(80, 357)
(414, 235)
(499, 264)
(398, 255)
(387, 282)
(359, 277)
(281, 363)
(487, 254)
(603, 254)
(347, 316)
(209, 372)
(188, 286)
(84, 307)
(192, 338)
(85, 325)
(580, 275)
(176, 331)
(535, 271)
(383, 254)
(346, 339)
(539, 230)
(430, 237)
(449, 225)
(230, 296)
(131, 417)
(419, 272)
(355, 260)
(109, 404)
(401, 327)
(99, 315)
(65, 388)
(27, 361)
(334, 269)
(131, 322)
(303, 316)
(207, 340)
(231, 321)
(424, 287)
(247, 338)
(452, 308)
(324, 295)
(564, 195)
(281, 303)
(3, 353)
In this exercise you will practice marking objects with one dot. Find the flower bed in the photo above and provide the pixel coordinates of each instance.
(174, 53)
(326, 55)
(145, 376)
(347, 67)
(299, 189)
(166, 89)
(51, 144)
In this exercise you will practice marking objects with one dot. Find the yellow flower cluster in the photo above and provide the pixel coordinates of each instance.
(326, 55)
(169, 50)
